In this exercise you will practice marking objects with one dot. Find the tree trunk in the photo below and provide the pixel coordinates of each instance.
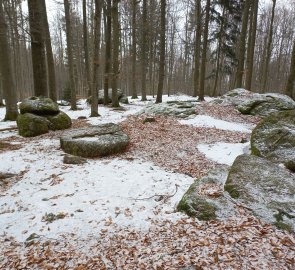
(6, 70)
(96, 60)
(252, 34)
(133, 79)
(86, 52)
(268, 48)
(70, 54)
(38, 48)
(162, 52)
(204, 53)
(116, 45)
(291, 77)
(108, 36)
(144, 50)
(197, 47)
(242, 45)
(49, 54)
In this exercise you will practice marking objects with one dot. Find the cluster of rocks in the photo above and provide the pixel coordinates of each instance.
(256, 104)
(38, 115)
(263, 182)
(121, 97)
(179, 109)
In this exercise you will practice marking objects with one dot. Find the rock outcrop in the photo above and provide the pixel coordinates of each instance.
(266, 188)
(179, 109)
(274, 138)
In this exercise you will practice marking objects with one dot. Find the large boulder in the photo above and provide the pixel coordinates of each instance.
(264, 104)
(205, 198)
(30, 125)
(59, 121)
(266, 188)
(179, 109)
(39, 106)
(95, 141)
(274, 138)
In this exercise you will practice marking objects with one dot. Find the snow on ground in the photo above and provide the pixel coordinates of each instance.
(208, 121)
(91, 196)
(224, 153)
(103, 191)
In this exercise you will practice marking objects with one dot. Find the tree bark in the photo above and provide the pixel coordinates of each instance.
(96, 60)
(70, 54)
(144, 50)
(133, 80)
(162, 52)
(242, 45)
(252, 34)
(108, 49)
(86, 51)
(268, 48)
(291, 77)
(6, 70)
(38, 48)
(116, 45)
(197, 47)
(49, 54)
(204, 53)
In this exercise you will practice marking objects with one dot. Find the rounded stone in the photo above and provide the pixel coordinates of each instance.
(59, 121)
(95, 141)
(30, 125)
(39, 106)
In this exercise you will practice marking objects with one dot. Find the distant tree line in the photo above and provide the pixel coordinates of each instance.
(144, 47)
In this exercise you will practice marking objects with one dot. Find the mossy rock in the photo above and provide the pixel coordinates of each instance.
(95, 141)
(30, 125)
(59, 121)
(274, 138)
(204, 207)
(100, 93)
(263, 186)
(179, 109)
(39, 106)
(265, 104)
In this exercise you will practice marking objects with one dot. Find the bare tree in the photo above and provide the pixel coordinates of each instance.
(162, 52)
(116, 45)
(108, 49)
(70, 54)
(198, 36)
(6, 70)
(268, 48)
(242, 45)
(49, 54)
(86, 51)
(134, 25)
(204, 53)
(97, 33)
(38, 49)
(144, 50)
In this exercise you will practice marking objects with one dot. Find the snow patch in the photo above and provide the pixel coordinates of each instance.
(224, 153)
(208, 121)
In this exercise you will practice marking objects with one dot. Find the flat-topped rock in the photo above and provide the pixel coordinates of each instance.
(179, 109)
(39, 106)
(95, 141)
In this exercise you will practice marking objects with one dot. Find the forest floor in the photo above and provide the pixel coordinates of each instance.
(119, 212)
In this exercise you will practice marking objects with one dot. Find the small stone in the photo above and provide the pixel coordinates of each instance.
(69, 159)
(149, 120)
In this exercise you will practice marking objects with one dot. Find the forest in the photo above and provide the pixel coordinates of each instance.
(147, 134)
(146, 47)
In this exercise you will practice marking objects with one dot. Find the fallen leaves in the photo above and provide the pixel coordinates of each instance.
(240, 243)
